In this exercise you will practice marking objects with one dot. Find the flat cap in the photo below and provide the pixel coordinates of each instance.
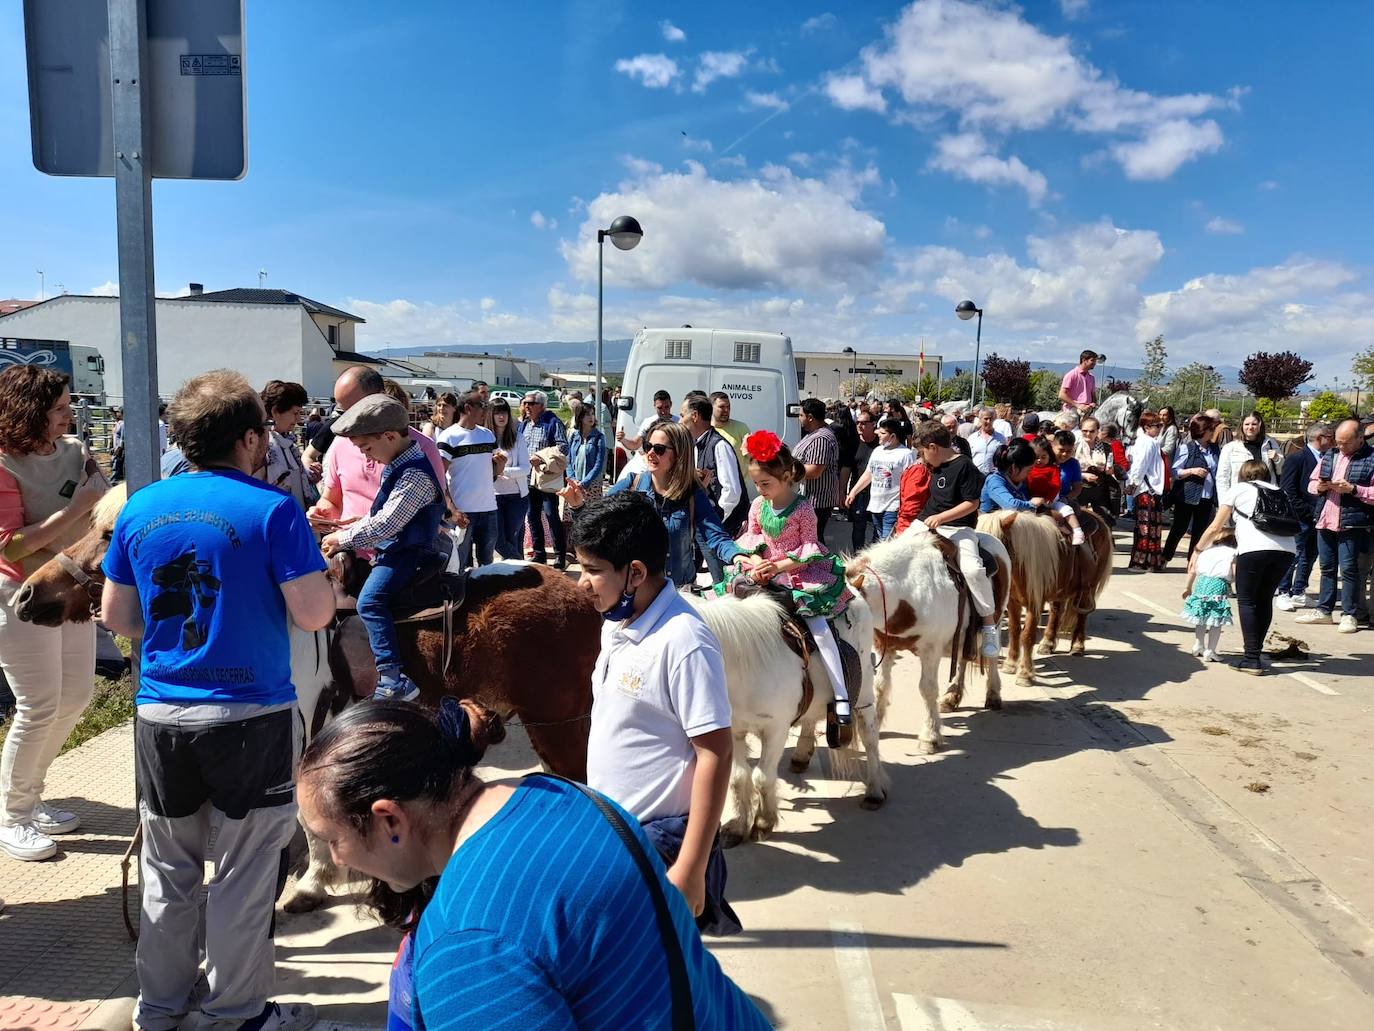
(375, 413)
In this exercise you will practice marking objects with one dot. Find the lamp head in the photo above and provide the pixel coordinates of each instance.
(625, 233)
(966, 310)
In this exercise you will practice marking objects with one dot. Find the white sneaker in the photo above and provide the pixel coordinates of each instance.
(1348, 625)
(1209, 656)
(26, 843)
(992, 643)
(1284, 603)
(1314, 616)
(283, 1016)
(1078, 537)
(51, 820)
(1197, 648)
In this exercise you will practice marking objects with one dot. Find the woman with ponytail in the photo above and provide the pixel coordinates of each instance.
(1005, 487)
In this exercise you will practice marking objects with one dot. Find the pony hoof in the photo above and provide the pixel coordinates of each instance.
(760, 832)
(950, 702)
(304, 902)
(1077, 650)
(1025, 681)
(1044, 649)
(924, 747)
(993, 702)
(872, 802)
(729, 839)
(799, 765)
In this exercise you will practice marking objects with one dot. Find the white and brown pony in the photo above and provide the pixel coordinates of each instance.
(766, 682)
(1048, 570)
(921, 606)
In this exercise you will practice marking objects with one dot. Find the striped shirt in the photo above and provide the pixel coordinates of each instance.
(542, 920)
(819, 447)
(413, 491)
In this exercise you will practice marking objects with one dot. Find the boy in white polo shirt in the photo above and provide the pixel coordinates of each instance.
(660, 740)
(469, 452)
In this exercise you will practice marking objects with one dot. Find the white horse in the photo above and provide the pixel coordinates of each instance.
(1121, 410)
(765, 681)
(916, 603)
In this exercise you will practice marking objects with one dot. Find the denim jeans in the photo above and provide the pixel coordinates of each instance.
(883, 524)
(510, 524)
(1340, 548)
(1294, 581)
(483, 528)
(1257, 574)
(388, 579)
(548, 504)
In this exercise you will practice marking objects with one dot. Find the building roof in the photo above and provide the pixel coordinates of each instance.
(258, 296)
(14, 304)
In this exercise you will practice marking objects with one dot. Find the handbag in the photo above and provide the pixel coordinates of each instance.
(679, 984)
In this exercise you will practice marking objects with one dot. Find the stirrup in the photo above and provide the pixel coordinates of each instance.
(839, 727)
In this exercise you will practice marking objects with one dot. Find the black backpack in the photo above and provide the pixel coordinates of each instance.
(1274, 512)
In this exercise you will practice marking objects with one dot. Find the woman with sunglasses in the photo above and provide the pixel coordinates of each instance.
(672, 486)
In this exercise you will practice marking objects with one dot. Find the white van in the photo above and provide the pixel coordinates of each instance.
(756, 369)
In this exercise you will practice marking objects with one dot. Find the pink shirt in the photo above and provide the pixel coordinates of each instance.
(1080, 386)
(357, 478)
(1330, 517)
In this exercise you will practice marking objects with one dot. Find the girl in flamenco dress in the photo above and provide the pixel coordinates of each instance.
(782, 546)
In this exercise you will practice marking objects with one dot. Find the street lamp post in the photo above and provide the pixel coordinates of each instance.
(479, 371)
(838, 391)
(625, 233)
(872, 376)
(815, 381)
(966, 310)
(853, 359)
(1202, 389)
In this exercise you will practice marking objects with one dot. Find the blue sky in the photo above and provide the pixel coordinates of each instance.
(1090, 172)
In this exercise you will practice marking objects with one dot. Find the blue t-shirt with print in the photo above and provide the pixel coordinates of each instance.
(1070, 473)
(207, 551)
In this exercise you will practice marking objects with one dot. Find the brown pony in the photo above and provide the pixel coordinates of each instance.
(1047, 569)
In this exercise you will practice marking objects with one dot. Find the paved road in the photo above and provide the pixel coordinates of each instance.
(1138, 841)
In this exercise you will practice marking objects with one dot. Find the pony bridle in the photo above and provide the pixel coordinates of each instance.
(84, 580)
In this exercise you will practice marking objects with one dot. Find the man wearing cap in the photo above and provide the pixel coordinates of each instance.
(1078, 390)
(402, 527)
(351, 478)
(1030, 426)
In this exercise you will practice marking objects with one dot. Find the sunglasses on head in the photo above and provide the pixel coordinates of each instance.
(660, 449)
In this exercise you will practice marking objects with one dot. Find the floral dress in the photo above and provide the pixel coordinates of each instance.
(818, 587)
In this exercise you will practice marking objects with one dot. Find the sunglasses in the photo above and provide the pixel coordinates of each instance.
(660, 449)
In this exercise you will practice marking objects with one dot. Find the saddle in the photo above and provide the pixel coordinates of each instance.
(969, 624)
(431, 589)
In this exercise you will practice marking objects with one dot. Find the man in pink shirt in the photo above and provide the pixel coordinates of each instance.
(1078, 390)
(351, 480)
(1343, 482)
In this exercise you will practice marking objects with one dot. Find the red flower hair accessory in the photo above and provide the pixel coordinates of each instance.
(762, 445)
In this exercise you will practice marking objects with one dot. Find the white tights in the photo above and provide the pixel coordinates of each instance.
(830, 655)
(1208, 637)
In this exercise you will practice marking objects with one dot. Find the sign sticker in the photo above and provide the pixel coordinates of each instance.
(210, 64)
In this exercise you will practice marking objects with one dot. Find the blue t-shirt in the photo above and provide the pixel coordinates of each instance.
(1070, 473)
(542, 920)
(207, 551)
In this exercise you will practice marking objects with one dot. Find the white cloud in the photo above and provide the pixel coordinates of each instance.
(653, 70)
(781, 231)
(853, 93)
(1269, 184)
(1224, 227)
(968, 156)
(698, 146)
(488, 303)
(402, 322)
(671, 32)
(542, 221)
(800, 159)
(1073, 8)
(767, 100)
(820, 23)
(998, 73)
(719, 64)
(109, 288)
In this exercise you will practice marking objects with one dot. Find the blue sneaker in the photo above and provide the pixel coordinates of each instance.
(395, 686)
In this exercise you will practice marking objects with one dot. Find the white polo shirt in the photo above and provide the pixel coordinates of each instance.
(471, 479)
(659, 682)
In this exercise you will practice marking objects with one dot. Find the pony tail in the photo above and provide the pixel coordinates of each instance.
(798, 470)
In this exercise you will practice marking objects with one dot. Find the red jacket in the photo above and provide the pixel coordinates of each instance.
(914, 492)
(1043, 482)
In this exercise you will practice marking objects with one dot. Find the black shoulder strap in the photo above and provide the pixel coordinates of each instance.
(679, 984)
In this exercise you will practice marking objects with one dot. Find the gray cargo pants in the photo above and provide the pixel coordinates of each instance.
(215, 784)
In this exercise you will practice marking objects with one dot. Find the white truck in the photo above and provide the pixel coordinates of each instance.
(84, 366)
(756, 369)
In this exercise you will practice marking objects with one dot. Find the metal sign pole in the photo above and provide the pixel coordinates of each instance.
(134, 216)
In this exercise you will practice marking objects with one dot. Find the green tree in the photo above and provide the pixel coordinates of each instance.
(1363, 367)
(1044, 390)
(1193, 388)
(1156, 367)
(856, 386)
(958, 387)
(928, 388)
(1276, 413)
(1327, 407)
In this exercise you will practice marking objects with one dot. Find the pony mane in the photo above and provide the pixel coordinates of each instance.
(107, 509)
(747, 629)
(899, 548)
(1036, 545)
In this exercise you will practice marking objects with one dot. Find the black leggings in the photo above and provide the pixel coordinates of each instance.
(1257, 577)
(1198, 517)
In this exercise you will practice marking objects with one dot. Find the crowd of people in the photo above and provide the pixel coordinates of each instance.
(255, 501)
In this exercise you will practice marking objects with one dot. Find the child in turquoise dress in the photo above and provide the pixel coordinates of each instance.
(783, 546)
(1207, 606)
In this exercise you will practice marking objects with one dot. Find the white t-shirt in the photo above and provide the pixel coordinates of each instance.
(887, 466)
(644, 431)
(1241, 498)
(1003, 427)
(468, 453)
(1216, 561)
(659, 682)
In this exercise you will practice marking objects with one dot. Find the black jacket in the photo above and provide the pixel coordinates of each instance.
(1297, 470)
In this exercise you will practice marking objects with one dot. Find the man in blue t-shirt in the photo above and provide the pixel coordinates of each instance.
(205, 568)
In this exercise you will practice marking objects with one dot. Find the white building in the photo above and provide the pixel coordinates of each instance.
(497, 370)
(820, 373)
(264, 334)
